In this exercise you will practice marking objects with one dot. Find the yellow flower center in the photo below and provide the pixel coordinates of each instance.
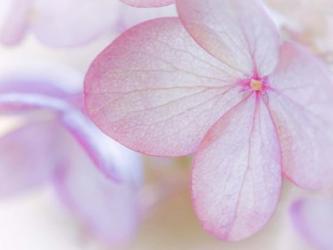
(256, 85)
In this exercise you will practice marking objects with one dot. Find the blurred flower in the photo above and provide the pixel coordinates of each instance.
(59, 145)
(63, 23)
(310, 22)
(129, 16)
(313, 218)
(250, 107)
(148, 3)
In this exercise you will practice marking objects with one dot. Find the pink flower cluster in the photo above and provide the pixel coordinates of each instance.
(218, 82)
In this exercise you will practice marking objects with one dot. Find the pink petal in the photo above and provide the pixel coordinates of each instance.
(148, 3)
(61, 23)
(239, 33)
(15, 24)
(236, 174)
(301, 102)
(108, 209)
(313, 219)
(156, 91)
(28, 157)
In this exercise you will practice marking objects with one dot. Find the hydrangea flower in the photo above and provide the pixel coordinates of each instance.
(56, 143)
(63, 23)
(219, 83)
(314, 221)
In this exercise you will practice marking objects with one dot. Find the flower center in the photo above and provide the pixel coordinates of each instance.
(256, 85)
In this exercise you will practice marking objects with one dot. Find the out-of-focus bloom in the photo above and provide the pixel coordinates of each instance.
(313, 218)
(129, 16)
(310, 22)
(63, 23)
(226, 88)
(95, 176)
(148, 3)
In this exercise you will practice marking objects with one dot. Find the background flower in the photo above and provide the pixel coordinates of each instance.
(59, 145)
(313, 219)
(67, 23)
(148, 3)
(308, 22)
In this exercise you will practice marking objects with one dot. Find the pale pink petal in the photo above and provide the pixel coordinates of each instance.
(156, 91)
(239, 33)
(236, 174)
(110, 210)
(72, 22)
(301, 103)
(148, 3)
(16, 21)
(28, 157)
(313, 219)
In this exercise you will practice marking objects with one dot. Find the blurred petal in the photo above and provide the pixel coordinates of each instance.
(33, 154)
(236, 175)
(70, 147)
(148, 3)
(109, 156)
(129, 16)
(239, 33)
(28, 157)
(156, 91)
(72, 22)
(51, 80)
(15, 24)
(301, 105)
(21, 98)
(108, 209)
(313, 219)
(309, 22)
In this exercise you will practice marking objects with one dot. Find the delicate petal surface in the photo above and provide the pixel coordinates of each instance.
(148, 3)
(156, 91)
(109, 209)
(239, 33)
(301, 105)
(28, 157)
(66, 23)
(313, 219)
(237, 174)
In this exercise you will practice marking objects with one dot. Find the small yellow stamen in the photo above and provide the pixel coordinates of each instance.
(256, 85)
